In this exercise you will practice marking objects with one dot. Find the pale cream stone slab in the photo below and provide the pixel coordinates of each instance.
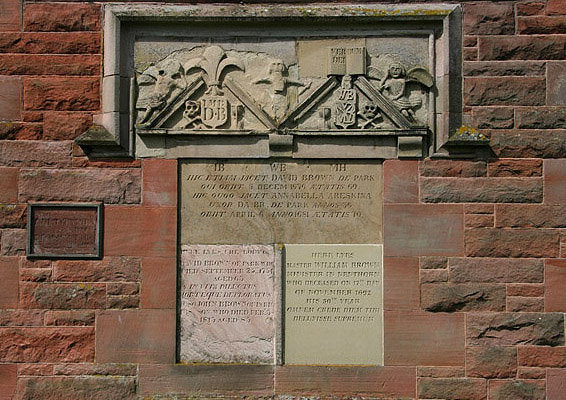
(266, 201)
(314, 53)
(333, 304)
(227, 304)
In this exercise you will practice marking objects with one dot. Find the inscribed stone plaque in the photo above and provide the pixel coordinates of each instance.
(263, 201)
(333, 304)
(64, 230)
(227, 304)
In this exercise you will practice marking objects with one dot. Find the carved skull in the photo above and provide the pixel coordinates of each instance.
(192, 108)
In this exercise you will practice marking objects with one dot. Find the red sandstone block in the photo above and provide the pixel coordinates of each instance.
(84, 162)
(62, 17)
(50, 42)
(496, 270)
(9, 282)
(13, 242)
(525, 304)
(527, 216)
(470, 53)
(458, 169)
(453, 297)
(520, 91)
(400, 181)
(517, 389)
(69, 318)
(555, 7)
(10, 98)
(528, 143)
(554, 181)
(541, 356)
(519, 243)
(8, 185)
(110, 269)
(401, 283)
(123, 288)
(555, 279)
(555, 378)
(491, 362)
(65, 126)
(479, 221)
(159, 182)
(541, 25)
(412, 230)
(47, 344)
(441, 372)
(410, 338)
(146, 336)
(531, 373)
(531, 8)
(8, 378)
(35, 275)
(35, 369)
(515, 168)
(21, 318)
(203, 380)
(492, 117)
(532, 47)
(95, 369)
(81, 387)
(390, 382)
(470, 41)
(489, 19)
(62, 295)
(499, 117)
(47, 64)
(433, 262)
(452, 388)
(159, 282)
(20, 131)
(479, 208)
(10, 15)
(62, 93)
(544, 117)
(140, 231)
(122, 302)
(525, 290)
(31, 263)
(434, 275)
(92, 184)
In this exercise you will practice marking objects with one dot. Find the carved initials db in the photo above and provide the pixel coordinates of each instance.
(214, 111)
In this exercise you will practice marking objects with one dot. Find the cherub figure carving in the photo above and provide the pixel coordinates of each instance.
(276, 76)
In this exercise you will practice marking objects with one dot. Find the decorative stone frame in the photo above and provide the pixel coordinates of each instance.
(114, 132)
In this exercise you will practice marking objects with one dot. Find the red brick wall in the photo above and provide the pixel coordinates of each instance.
(475, 250)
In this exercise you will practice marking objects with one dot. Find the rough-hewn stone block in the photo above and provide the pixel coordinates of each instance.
(555, 378)
(433, 262)
(525, 304)
(452, 388)
(82, 388)
(493, 118)
(511, 329)
(410, 341)
(528, 47)
(541, 25)
(13, 216)
(531, 8)
(69, 318)
(542, 356)
(528, 216)
(48, 64)
(453, 168)
(64, 125)
(35, 153)
(159, 182)
(50, 42)
(481, 190)
(486, 242)
(441, 372)
(21, 317)
(526, 290)
(62, 17)
(434, 275)
(504, 68)
(400, 181)
(452, 297)
(528, 143)
(520, 91)
(62, 295)
(13, 242)
(95, 369)
(540, 118)
(491, 362)
(47, 344)
(62, 93)
(517, 389)
(489, 18)
(107, 185)
(478, 221)
(110, 269)
(514, 168)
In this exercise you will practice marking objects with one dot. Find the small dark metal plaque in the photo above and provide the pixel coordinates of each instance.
(58, 230)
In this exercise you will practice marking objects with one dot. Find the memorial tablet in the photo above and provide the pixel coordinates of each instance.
(227, 304)
(64, 230)
(333, 304)
(266, 201)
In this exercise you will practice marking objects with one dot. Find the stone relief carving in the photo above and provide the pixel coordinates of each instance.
(207, 88)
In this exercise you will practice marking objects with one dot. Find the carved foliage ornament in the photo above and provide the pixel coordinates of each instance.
(208, 88)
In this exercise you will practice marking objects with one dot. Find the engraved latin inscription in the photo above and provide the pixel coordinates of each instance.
(333, 304)
(227, 303)
(259, 201)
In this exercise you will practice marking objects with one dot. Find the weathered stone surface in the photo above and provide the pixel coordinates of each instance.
(510, 329)
(531, 356)
(555, 7)
(521, 48)
(525, 304)
(540, 118)
(95, 369)
(159, 282)
(20, 131)
(62, 17)
(62, 93)
(555, 378)
(110, 269)
(13, 242)
(35, 369)
(452, 388)
(122, 302)
(489, 19)
(555, 283)
(21, 318)
(10, 98)
(40, 64)
(35, 275)
(478, 221)
(11, 17)
(62, 296)
(519, 243)
(64, 125)
(8, 187)
(159, 183)
(401, 283)
(528, 143)
(531, 373)
(520, 91)
(408, 339)
(8, 381)
(39, 344)
(441, 372)
(69, 318)
(400, 181)
(432, 262)
(526, 216)
(554, 181)
(556, 83)
(493, 118)
(9, 282)
(434, 275)
(107, 185)
(13, 216)
(450, 297)
(517, 389)
(496, 270)
(504, 68)
(35, 153)
(526, 290)
(491, 362)
(473, 208)
(481, 190)
(531, 8)
(515, 168)
(123, 288)
(452, 168)
(541, 25)
(50, 42)
(423, 229)
(82, 388)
